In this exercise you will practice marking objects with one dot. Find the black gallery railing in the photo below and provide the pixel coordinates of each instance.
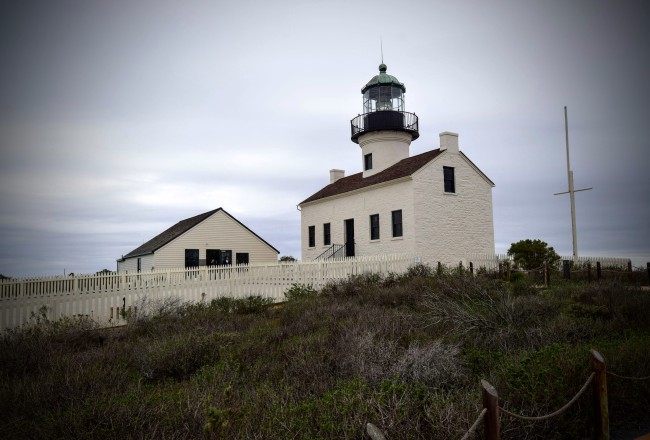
(385, 120)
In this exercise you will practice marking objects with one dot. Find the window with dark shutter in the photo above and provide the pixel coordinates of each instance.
(450, 184)
(367, 162)
(312, 236)
(397, 223)
(374, 227)
(327, 240)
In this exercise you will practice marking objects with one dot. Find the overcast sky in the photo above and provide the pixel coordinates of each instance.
(120, 118)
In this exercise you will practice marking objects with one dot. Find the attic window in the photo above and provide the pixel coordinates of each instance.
(450, 183)
(367, 162)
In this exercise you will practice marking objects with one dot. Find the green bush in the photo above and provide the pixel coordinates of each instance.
(177, 357)
(299, 291)
(253, 304)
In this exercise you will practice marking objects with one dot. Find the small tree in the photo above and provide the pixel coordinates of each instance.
(287, 259)
(531, 254)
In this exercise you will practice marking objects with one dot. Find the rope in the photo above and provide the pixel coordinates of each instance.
(475, 425)
(559, 411)
(627, 377)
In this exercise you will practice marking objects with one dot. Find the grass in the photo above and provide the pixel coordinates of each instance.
(403, 352)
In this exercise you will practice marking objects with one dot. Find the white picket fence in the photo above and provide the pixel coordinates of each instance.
(104, 298)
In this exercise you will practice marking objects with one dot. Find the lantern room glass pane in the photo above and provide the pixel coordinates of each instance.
(383, 98)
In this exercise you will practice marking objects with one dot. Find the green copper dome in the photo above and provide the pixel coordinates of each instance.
(383, 79)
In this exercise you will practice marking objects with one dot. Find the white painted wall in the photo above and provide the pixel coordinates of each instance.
(360, 205)
(451, 226)
(387, 147)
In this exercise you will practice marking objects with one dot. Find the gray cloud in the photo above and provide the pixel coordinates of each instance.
(118, 119)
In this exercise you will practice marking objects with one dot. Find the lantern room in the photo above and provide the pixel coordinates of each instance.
(383, 92)
(383, 107)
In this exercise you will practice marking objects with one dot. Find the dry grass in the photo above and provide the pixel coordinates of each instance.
(404, 352)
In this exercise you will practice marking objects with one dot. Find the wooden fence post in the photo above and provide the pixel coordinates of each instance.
(374, 433)
(630, 277)
(589, 270)
(601, 423)
(566, 269)
(491, 403)
(471, 268)
(547, 274)
(439, 268)
(599, 271)
(500, 271)
(648, 267)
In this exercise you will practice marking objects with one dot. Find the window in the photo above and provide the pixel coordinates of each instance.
(397, 223)
(374, 227)
(225, 257)
(212, 257)
(191, 258)
(241, 258)
(312, 236)
(367, 162)
(327, 239)
(450, 184)
(139, 264)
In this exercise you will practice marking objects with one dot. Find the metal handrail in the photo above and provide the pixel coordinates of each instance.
(331, 252)
(385, 120)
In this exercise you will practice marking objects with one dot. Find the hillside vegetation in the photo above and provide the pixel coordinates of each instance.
(403, 352)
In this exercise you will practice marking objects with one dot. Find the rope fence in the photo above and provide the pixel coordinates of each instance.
(627, 377)
(471, 430)
(556, 413)
(490, 414)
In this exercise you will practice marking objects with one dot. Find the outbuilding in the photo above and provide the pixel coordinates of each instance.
(212, 238)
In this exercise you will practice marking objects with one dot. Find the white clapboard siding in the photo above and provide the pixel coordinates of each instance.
(219, 231)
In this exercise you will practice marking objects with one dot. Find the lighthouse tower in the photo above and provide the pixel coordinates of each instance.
(384, 131)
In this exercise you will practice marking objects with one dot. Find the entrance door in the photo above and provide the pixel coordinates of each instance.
(349, 237)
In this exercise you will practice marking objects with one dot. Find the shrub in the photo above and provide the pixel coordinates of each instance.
(355, 285)
(253, 304)
(178, 357)
(300, 291)
(532, 254)
(419, 270)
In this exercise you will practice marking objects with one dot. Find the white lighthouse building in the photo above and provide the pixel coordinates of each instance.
(436, 205)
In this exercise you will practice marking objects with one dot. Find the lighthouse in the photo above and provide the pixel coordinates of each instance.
(385, 130)
(435, 205)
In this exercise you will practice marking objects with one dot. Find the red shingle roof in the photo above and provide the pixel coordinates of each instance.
(403, 168)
